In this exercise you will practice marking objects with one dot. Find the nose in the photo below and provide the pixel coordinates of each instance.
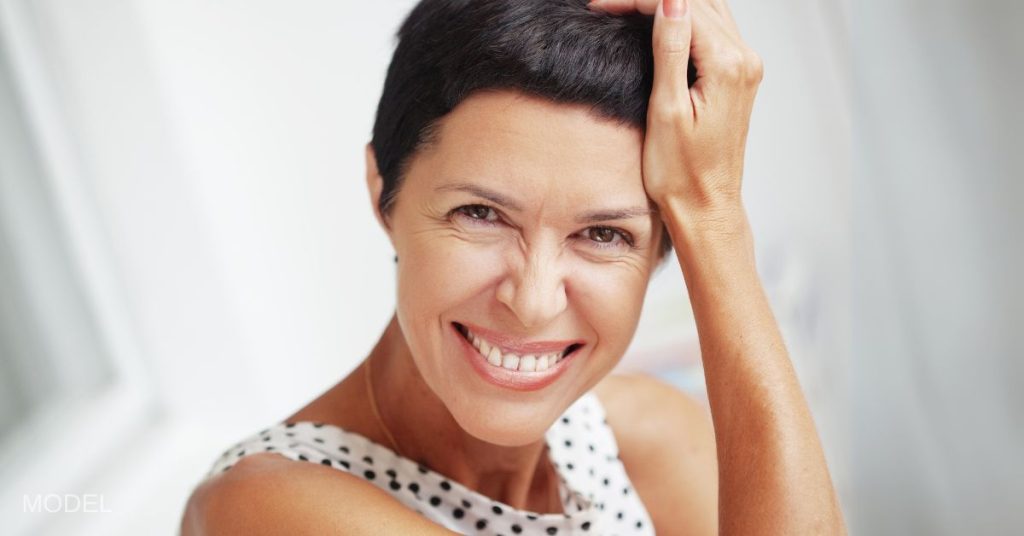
(534, 288)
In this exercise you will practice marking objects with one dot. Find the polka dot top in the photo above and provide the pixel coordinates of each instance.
(597, 496)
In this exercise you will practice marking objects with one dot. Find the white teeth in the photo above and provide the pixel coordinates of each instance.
(510, 361)
(494, 356)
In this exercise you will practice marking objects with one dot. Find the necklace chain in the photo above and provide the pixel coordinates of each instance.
(376, 412)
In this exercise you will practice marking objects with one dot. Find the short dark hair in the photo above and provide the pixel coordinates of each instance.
(559, 50)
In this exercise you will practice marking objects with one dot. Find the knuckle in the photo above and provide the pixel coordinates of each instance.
(739, 65)
(667, 111)
(755, 68)
(674, 46)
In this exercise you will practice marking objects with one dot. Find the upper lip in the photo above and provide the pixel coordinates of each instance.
(519, 345)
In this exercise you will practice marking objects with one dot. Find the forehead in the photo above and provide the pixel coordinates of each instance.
(529, 141)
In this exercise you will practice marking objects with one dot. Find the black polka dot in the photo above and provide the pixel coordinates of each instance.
(226, 467)
(568, 442)
(345, 464)
(270, 448)
(394, 485)
(368, 460)
(569, 466)
(343, 448)
(619, 515)
(422, 469)
(435, 500)
(496, 509)
(552, 530)
(625, 491)
(481, 524)
(241, 453)
(605, 482)
(458, 513)
(592, 448)
(585, 525)
(391, 473)
(326, 461)
(370, 475)
(639, 524)
(266, 438)
(565, 420)
(517, 529)
(531, 517)
(445, 485)
(466, 504)
(317, 424)
(414, 487)
(303, 458)
(290, 434)
(290, 425)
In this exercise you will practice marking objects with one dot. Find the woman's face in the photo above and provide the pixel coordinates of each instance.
(526, 224)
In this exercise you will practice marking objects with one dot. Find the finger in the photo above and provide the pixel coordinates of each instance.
(671, 43)
(618, 7)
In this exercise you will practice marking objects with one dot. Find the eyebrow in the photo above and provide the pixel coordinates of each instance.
(595, 216)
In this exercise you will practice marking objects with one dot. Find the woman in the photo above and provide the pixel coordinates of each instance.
(532, 162)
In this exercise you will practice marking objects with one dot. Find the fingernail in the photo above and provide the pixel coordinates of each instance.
(674, 8)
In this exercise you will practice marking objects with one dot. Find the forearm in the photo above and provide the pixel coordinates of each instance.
(773, 478)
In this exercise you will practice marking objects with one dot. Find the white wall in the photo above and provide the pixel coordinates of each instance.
(937, 428)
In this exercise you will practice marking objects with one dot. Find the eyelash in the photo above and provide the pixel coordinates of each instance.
(461, 211)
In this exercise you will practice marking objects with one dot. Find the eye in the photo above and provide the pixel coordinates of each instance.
(608, 237)
(480, 213)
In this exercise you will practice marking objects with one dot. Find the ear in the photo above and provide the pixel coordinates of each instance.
(375, 185)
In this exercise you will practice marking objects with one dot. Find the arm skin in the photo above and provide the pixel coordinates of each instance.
(773, 477)
(269, 494)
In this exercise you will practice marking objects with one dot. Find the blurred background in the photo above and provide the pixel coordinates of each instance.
(187, 250)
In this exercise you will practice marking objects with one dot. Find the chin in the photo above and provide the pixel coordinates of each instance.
(497, 424)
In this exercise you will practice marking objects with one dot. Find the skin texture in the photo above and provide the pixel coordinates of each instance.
(540, 273)
(773, 477)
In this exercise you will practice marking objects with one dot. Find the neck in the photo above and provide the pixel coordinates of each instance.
(426, 432)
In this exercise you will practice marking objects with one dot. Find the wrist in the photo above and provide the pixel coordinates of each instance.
(722, 220)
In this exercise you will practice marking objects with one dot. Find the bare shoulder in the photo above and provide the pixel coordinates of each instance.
(667, 445)
(269, 494)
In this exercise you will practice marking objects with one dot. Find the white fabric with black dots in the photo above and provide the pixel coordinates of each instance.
(597, 496)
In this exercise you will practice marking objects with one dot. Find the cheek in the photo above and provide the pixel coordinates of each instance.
(610, 299)
(437, 274)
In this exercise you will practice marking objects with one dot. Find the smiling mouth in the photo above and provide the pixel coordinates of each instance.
(497, 356)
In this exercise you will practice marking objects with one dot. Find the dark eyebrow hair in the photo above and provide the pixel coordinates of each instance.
(596, 216)
(480, 191)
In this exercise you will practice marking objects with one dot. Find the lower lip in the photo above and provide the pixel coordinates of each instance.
(512, 379)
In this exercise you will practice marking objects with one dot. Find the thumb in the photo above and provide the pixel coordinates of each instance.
(671, 44)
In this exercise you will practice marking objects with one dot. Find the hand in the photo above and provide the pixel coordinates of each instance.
(696, 136)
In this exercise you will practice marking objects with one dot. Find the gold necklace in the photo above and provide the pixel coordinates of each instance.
(376, 412)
